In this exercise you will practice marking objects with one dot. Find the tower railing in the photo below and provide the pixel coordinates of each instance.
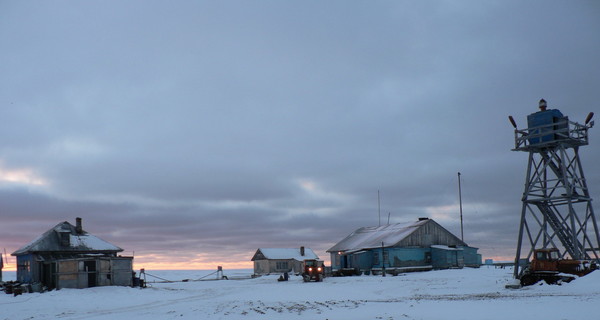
(549, 135)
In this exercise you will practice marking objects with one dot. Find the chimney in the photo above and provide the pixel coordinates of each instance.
(302, 251)
(78, 227)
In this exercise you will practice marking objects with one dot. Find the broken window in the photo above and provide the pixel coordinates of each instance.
(24, 266)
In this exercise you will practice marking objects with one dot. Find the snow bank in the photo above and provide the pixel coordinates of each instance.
(447, 294)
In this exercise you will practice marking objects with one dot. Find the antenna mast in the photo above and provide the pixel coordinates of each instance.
(379, 208)
(462, 235)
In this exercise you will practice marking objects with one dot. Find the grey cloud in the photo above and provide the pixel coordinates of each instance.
(190, 127)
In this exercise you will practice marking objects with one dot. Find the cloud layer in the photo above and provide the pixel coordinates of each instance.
(196, 132)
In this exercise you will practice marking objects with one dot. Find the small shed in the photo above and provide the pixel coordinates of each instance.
(66, 256)
(416, 245)
(279, 260)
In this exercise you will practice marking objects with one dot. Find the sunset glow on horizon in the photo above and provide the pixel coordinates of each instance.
(137, 265)
(160, 262)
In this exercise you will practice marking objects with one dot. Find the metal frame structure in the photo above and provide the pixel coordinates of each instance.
(557, 208)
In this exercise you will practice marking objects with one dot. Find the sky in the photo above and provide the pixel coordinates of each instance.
(192, 133)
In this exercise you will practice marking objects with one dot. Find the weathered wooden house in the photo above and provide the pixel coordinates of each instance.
(66, 256)
(279, 260)
(419, 245)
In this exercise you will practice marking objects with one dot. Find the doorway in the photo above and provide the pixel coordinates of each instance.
(48, 274)
(90, 268)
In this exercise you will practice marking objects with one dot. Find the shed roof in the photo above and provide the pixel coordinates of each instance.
(284, 254)
(373, 237)
(81, 242)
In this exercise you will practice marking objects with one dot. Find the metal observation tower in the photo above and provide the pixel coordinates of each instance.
(557, 208)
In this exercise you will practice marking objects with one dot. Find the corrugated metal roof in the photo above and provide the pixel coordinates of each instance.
(372, 237)
(286, 254)
(82, 242)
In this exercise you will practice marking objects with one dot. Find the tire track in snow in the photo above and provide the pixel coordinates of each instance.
(148, 307)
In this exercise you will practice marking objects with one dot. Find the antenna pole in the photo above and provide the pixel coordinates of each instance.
(379, 208)
(462, 235)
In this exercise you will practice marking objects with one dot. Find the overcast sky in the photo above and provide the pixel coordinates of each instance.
(195, 132)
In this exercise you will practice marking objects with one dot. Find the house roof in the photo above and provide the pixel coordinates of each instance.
(373, 237)
(284, 254)
(447, 248)
(82, 242)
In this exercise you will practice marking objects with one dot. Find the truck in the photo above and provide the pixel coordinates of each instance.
(547, 265)
(313, 270)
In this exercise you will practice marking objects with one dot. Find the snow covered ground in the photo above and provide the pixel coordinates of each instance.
(445, 294)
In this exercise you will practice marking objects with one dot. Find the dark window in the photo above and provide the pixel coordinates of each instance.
(65, 239)
(24, 266)
(540, 255)
(375, 257)
(281, 265)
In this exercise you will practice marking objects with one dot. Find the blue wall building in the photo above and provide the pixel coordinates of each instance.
(401, 247)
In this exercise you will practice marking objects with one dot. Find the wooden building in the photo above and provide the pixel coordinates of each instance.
(419, 245)
(280, 260)
(66, 256)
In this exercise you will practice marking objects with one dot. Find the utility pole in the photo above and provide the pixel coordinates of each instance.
(382, 260)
